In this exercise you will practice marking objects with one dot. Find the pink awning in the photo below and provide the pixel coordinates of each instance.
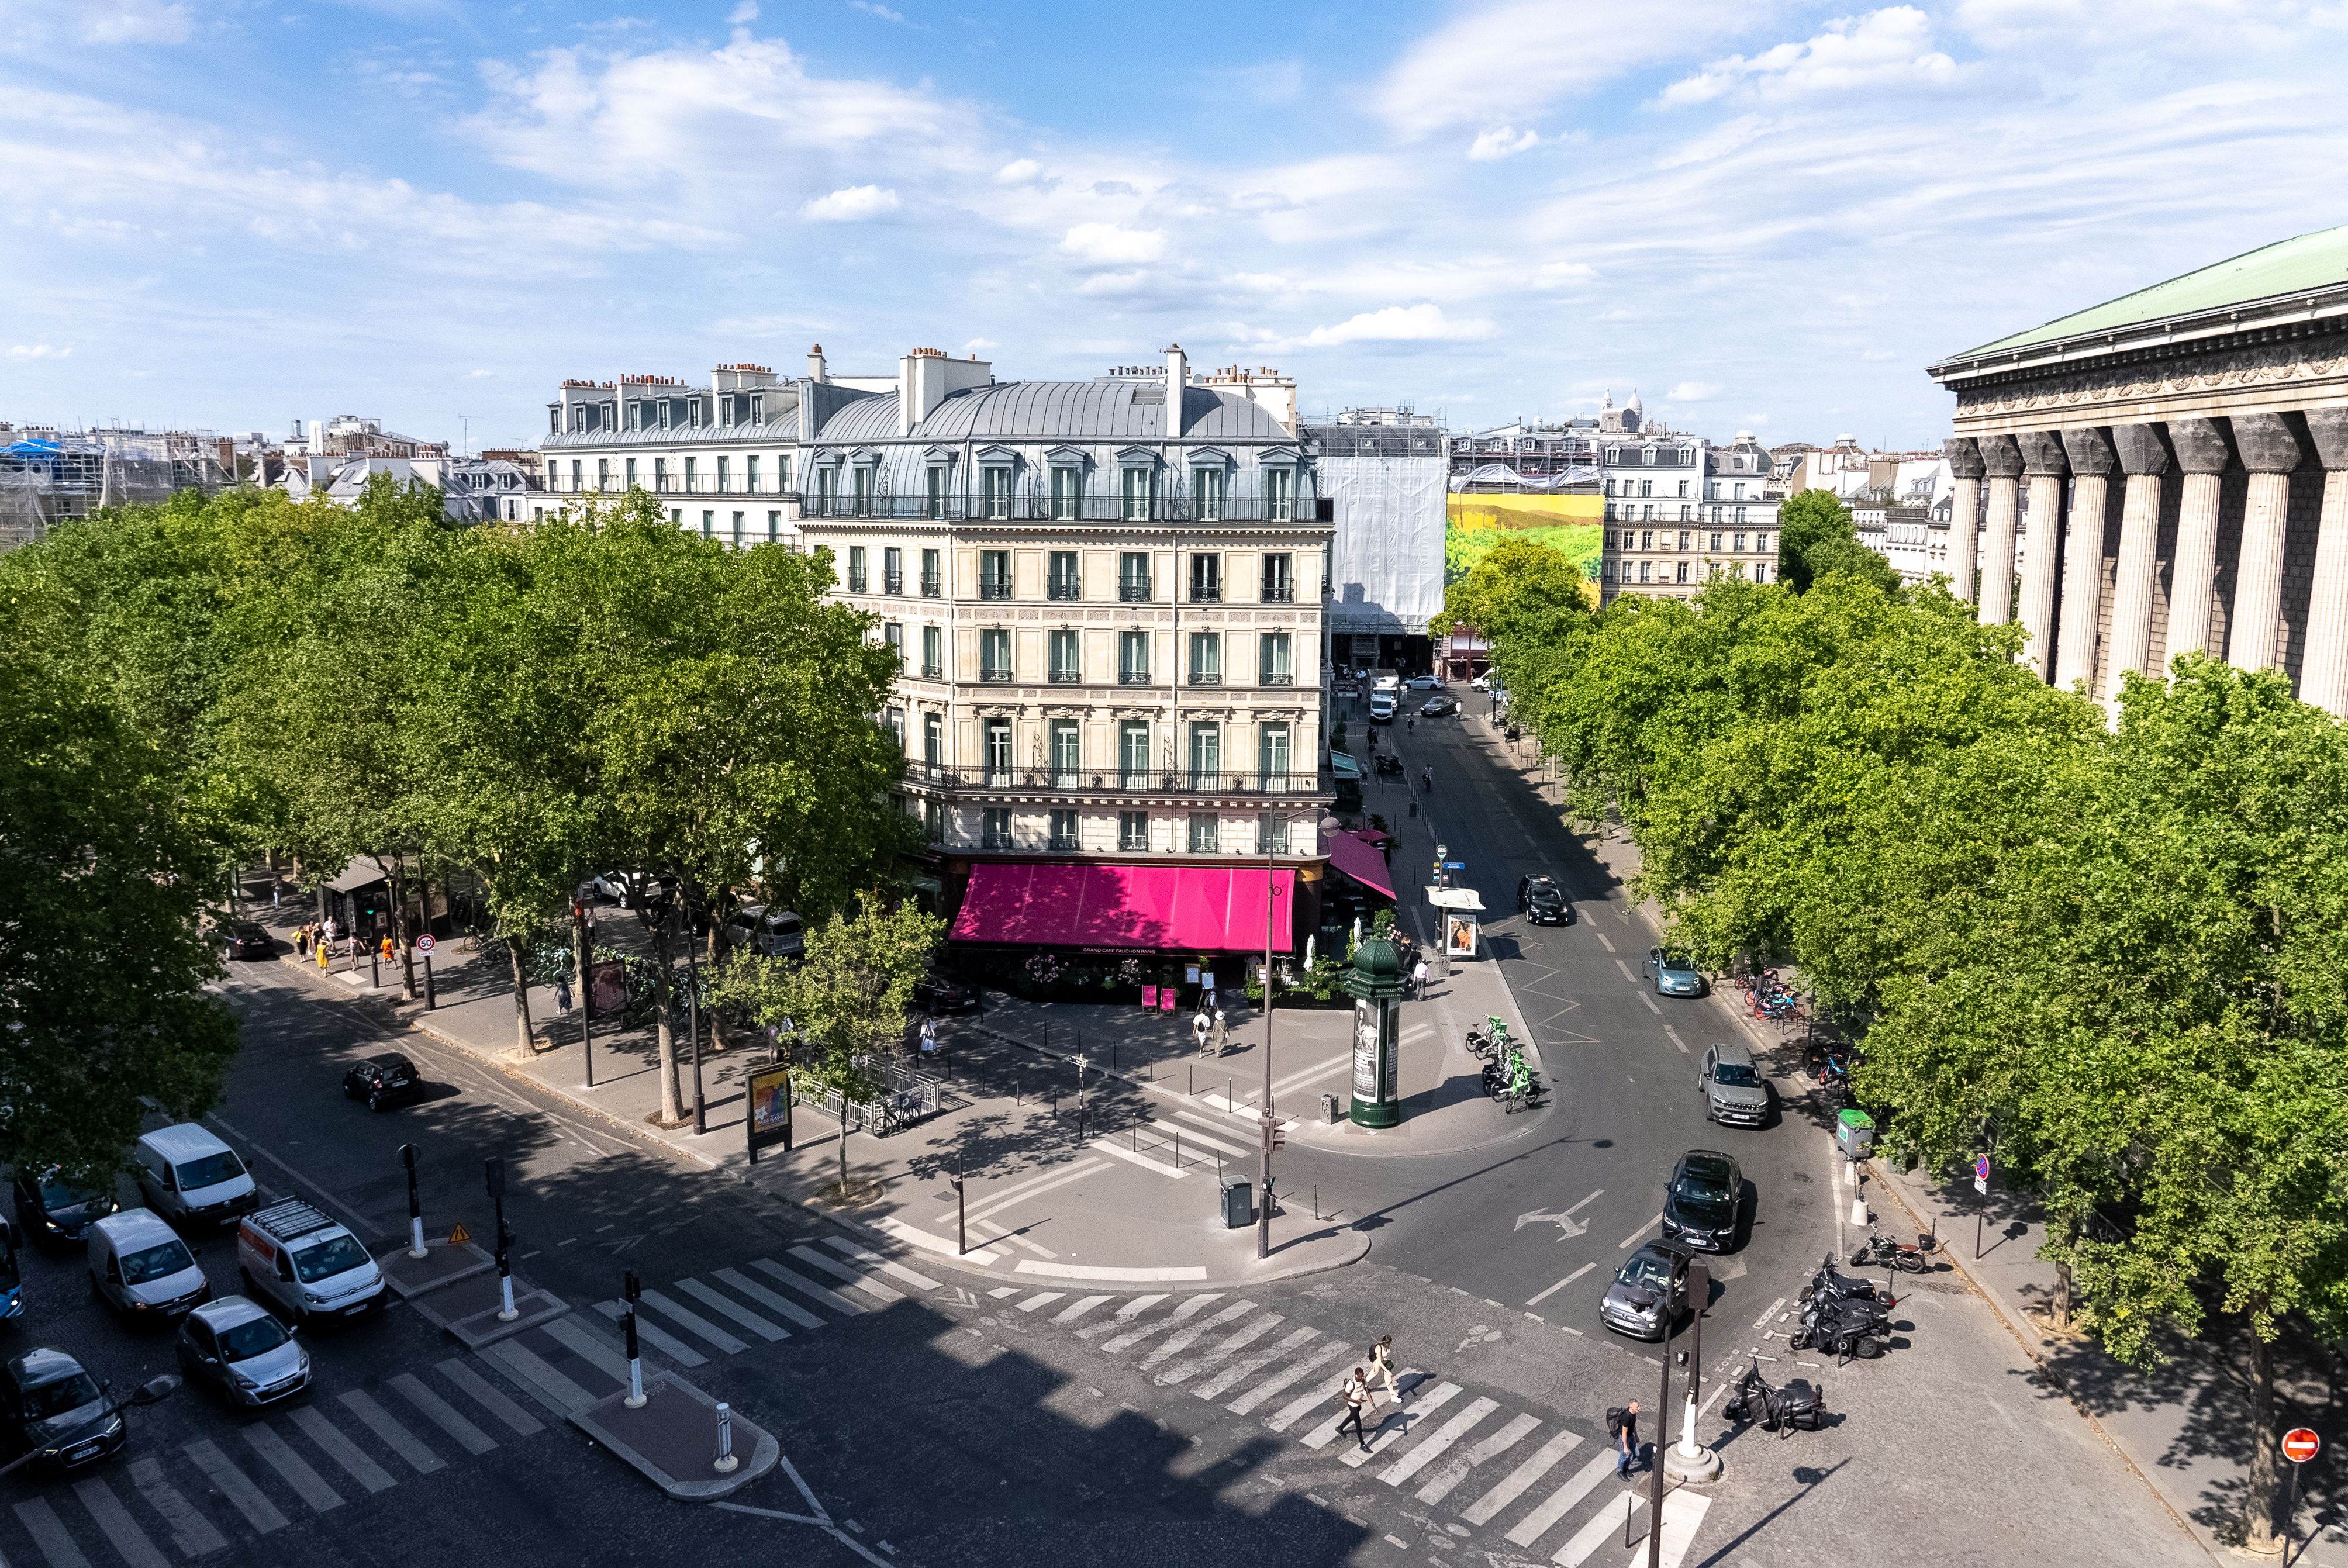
(1360, 862)
(1180, 909)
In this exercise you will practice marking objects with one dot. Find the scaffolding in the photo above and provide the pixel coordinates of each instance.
(49, 476)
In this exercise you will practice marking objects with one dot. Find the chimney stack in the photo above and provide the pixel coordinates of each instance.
(815, 363)
(1177, 376)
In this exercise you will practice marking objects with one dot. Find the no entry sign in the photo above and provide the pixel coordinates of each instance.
(2300, 1444)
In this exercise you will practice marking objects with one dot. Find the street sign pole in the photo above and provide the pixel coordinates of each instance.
(1980, 1200)
(2299, 1445)
(424, 945)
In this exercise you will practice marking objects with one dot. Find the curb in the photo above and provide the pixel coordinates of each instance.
(765, 1451)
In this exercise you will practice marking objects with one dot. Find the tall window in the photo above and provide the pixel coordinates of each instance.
(1207, 488)
(933, 584)
(750, 475)
(1065, 583)
(827, 491)
(1067, 493)
(933, 653)
(1206, 755)
(1133, 577)
(660, 475)
(1133, 658)
(995, 827)
(934, 740)
(892, 570)
(1272, 660)
(708, 525)
(602, 473)
(994, 655)
(1206, 833)
(1133, 832)
(1279, 588)
(1067, 753)
(692, 474)
(724, 480)
(774, 527)
(998, 752)
(896, 718)
(934, 504)
(1068, 663)
(1272, 755)
(1133, 749)
(1206, 579)
(1206, 659)
(934, 821)
(893, 636)
(631, 471)
(783, 473)
(1280, 495)
(737, 531)
(863, 491)
(1064, 830)
(997, 493)
(1270, 833)
(994, 575)
(856, 575)
(1739, 513)
(1136, 495)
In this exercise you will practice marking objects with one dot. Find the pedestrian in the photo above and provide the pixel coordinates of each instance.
(1426, 777)
(1356, 1395)
(1418, 980)
(1200, 1026)
(1622, 1425)
(562, 992)
(1382, 1365)
(1411, 723)
(386, 950)
(325, 948)
(274, 889)
(929, 1039)
(302, 941)
(1223, 1033)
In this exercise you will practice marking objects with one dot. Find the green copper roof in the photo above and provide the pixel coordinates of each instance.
(2309, 261)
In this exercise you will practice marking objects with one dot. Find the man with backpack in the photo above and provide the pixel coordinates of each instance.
(1356, 1395)
(1622, 1427)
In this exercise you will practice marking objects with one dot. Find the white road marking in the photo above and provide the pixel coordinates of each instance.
(1439, 1485)
(916, 1236)
(1602, 937)
(1281, 1380)
(1561, 1501)
(1208, 1140)
(1178, 1343)
(236, 1486)
(692, 1323)
(1070, 1314)
(1182, 1314)
(767, 1298)
(1320, 1070)
(841, 1271)
(1216, 1386)
(995, 1231)
(1597, 1531)
(1562, 1283)
(1763, 1321)
(280, 1457)
(724, 1306)
(799, 1282)
(1089, 1271)
(995, 1201)
(652, 1333)
(191, 1531)
(395, 1438)
(1103, 1146)
(1125, 1314)
(1263, 1324)
(442, 1414)
(1542, 1461)
(886, 1265)
(487, 1395)
(1625, 968)
(1042, 1298)
(121, 1528)
(1435, 1446)
(1402, 1421)
(1649, 1001)
(1636, 1234)
(48, 1533)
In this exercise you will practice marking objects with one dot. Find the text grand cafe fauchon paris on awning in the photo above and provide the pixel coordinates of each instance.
(1127, 909)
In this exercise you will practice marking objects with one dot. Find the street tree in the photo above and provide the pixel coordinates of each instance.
(1815, 536)
(839, 1012)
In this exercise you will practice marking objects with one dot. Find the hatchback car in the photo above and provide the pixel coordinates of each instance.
(52, 1409)
(938, 996)
(1675, 974)
(140, 1267)
(384, 1082)
(238, 1349)
(1422, 683)
(1701, 1201)
(1541, 901)
(55, 1215)
(1437, 706)
(1731, 1085)
(1648, 1292)
(246, 940)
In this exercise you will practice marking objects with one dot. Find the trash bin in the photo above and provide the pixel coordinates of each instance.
(1855, 1132)
(1329, 1110)
(1239, 1203)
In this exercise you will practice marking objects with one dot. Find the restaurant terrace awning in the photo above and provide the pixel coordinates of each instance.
(1357, 859)
(1169, 909)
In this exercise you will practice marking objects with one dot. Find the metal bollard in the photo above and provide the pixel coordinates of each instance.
(726, 1459)
(629, 1291)
(415, 1207)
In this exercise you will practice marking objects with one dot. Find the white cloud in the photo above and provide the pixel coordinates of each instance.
(1109, 243)
(136, 22)
(1019, 171)
(1881, 355)
(977, 346)
(1692, 392)
(1506, 141)
(1567, 271)
(871, 9)
(1398, 324)
(1891, 47)
(37, 351)
(745, 14)
(478, 375)
(857, 202)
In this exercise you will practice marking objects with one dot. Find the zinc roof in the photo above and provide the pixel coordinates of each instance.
(1106, 410)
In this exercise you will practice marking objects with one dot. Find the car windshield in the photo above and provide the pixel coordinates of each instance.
(252, 1337)
(1543, 893)
(1644, 1272)
(1706, 1192)
(159, 1262)
(56, 1195)
(1736, 1074)
(52, 1399)
(1680, 961)
(210, 1171)
(328, 1258)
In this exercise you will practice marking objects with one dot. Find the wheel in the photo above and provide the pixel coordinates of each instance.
(375, 1101)
(349, 1092)
(1914, 1262)
(1868, 1349)
(1862, 1259)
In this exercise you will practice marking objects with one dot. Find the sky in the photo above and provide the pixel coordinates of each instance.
(233, 213)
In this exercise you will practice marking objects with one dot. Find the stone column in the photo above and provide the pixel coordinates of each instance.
(2090, 452)
(2002, 461)
(2270, 450)
(2145, 460)
(1964, 516)
(2042, 459)
(2323, 673)
(2202, 454)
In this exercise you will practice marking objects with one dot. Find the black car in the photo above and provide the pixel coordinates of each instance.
(383, 1081)
(1701, 1204)
(1437, 706)
(1541, 901)
(55, 1215)
(246, 940)
(938, 997)
(52, 1409)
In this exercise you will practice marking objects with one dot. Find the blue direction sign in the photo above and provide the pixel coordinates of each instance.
(1455, 865)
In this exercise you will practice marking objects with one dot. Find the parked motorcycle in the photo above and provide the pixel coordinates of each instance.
(1796, 1407)
(1830, 1281)
(1845, 1326)
(1880, 1250)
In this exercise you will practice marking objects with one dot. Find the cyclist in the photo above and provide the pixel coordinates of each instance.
(1426, 776)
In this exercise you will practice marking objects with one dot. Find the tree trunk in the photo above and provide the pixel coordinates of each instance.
(664, 1006)
(402, 938)
(521, 999)
(710, 1020)
(2261, 1485)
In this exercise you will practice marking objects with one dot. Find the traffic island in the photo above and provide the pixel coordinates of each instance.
(672, 1440)
(469, 1307)
(443, 1263)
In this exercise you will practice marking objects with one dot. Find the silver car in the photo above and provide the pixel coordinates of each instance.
(1732, 1090)
(1648, 1291)
(238, 1348)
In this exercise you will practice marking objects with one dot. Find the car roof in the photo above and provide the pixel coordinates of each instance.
(387, 1059)
(1707, 1161)
(135, 1227)
(182, 1140)
(1732, 1051)
(228, 1311)
(37, 1368)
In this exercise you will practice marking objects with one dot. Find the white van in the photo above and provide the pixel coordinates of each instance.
(1385, 680)
(776, 933)
(190, 1176)
(142, 1268)
(1382, 708)
(310, 1268)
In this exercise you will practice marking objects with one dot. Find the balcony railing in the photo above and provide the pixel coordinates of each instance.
(1065, 588)
(1275, 679)
(994, 590)
(1206, 677)
(856, 581)
(1067, 677)
(1115, 781)
(1133, 677)
(1134, 590)
(1282, 595)
(932, 588)
(892, 582)
(1206, 593)
(994, 676)
(933, 672)
(1038, 506)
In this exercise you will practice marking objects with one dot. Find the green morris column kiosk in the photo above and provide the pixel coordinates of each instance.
(1374, 982)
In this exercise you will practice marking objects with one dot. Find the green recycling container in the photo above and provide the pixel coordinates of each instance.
(1855, 1132)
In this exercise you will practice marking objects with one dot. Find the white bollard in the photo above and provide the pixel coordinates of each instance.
(416, 1236)
(505, 1289)
(726, 1459)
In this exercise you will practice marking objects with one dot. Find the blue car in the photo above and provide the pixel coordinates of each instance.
(1675, 974)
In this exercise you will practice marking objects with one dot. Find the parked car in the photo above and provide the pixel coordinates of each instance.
(1481, 683)
(1702, 1199)
(777, 934)
(246, 940)
(191, 1178)
(1438, 704)
(1675, 973)
(53, 1214)
(140, 1267)
(1648, 1292)
(937, 995)
(384, 1082)
(1423, 683)
(611, 885)
(1541, 901)
(307, 1266)
(238, 1349)
(1731, 1085)
(52, 1409)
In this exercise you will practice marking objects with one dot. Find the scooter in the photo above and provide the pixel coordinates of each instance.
(1881, 1252)
(1781, 1410)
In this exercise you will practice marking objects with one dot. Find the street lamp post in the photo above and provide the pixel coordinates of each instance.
(1268, 1123)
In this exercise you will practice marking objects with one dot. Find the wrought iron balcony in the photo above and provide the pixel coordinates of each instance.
(1067, 677)
(1194, 783)
(1133, 677)
(1206, 677)
(1283, 594)
(994, 590)
(932, 588)
(1134, 590)
(1065, 588)
(892, 582)
(1206, 593)
(856, 581)
(994, 676)
(1275, 679)
(933, 672)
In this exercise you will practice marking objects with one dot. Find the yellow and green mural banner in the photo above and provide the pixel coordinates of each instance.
(1569, 524)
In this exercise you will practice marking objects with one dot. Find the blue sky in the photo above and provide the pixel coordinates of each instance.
(228, 213)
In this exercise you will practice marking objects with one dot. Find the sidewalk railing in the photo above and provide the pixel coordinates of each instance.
(907, 1098)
